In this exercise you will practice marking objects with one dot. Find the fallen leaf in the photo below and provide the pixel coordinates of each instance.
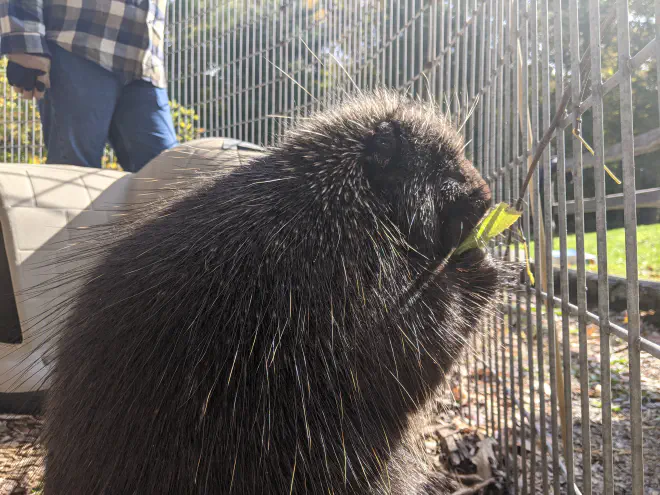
(483, 458)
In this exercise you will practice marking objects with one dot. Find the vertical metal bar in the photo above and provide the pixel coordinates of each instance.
(240, 86)
(448, 81)
(457, 62)
(476, 381)
(5, 122)
(338, 43)
(422, 44)
(537, 249)
(457, 112)
(441, 67)
(330, 45)
(464, 74)
(601, 229)
(300, 62)
(433, 47)
(253, 26)
(510, 176)
(333, 23)
(272, 81)
(170, 38)
(492, 177)
(396, 72)
(264, 71)
(406, 13)
(473, 68)
(203, 71)
(530, 347)
(353, 47)
(195, 58)
(289, 88)
(33, 141)
(383, 17)
(223, 63)
(566, 421)
(242, 82)
(468, 131)
(492, 329)
(526, 130)
(389, 80)
(12, 118)
(215, 64)
(481, 91)
(217, 73)
(630, 220)
(489, 394)
(481, 166)
(581, 269)
(375, 23)
(281, 62)
(548, 200)
(19, 129)
(513, 58)
(261, 93)
(486, 89)
(366, 42)
(306, 62)
(502, 177)
(230, 29)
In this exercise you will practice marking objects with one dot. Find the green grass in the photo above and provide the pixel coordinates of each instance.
(648, 250)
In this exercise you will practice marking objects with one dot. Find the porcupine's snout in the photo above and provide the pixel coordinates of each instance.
(464, 198)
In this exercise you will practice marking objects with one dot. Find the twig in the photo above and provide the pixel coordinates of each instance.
(543, 144)
(468, 479)
(474, 489)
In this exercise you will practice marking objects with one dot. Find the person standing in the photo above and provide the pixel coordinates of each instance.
(96, 68)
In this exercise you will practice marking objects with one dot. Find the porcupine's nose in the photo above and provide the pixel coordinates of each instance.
(476, 186)
(471, 205)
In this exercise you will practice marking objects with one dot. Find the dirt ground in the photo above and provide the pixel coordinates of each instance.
(482, 409)
(21, 465)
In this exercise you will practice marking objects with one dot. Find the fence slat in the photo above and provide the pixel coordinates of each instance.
(630, 221)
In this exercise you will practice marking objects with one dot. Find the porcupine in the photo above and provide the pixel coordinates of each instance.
(268, 331)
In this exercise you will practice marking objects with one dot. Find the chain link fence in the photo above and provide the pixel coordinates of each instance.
(505, 71)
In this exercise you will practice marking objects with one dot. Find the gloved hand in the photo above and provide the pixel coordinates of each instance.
(28, 74)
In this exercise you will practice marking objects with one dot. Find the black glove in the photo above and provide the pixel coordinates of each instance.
(28, 74)
(24, 78)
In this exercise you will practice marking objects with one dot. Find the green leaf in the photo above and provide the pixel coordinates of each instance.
(494, 223)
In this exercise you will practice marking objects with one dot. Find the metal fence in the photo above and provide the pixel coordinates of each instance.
(501, 69)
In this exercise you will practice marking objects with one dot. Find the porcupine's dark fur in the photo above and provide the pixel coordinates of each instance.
(254, 336)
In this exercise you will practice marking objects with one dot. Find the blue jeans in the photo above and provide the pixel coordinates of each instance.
(88, 106)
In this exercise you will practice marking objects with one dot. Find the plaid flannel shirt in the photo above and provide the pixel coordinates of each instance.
(123, 36)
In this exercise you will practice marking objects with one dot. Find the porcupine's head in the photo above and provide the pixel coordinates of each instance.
(403, 156)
